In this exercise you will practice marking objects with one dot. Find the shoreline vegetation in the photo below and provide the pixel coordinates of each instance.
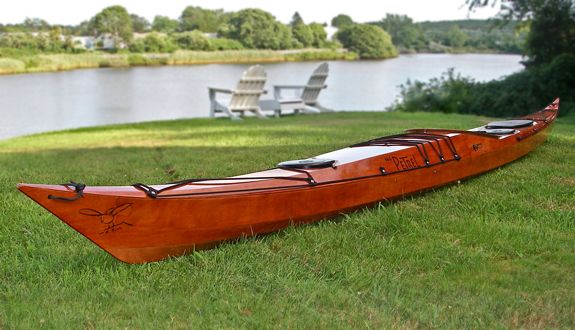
(64, 62)
(36, 63)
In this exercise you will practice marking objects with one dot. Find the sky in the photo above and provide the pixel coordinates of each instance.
(72, 12)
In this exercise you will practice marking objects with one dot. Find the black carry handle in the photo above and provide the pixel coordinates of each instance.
(78, 189)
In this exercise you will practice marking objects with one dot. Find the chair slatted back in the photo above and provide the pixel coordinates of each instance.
(249, 89)
(315, 84)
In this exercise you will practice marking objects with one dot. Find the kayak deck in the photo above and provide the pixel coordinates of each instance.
(143, 223)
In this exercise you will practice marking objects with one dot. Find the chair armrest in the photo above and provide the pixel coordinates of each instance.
(289, 86)
(213, 91)
(278, 89)
(227, 91)
(220, 90)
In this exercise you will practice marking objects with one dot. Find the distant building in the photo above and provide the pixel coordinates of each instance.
(105, 42)
(83, 42)
(213, 35)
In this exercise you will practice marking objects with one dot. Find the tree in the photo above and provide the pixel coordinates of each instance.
(85, 28)
(300, 31)
(368, 41)
(284, 36)
(55, 41)
(164, 24)
(296, 20)
(510, 9)
(139, 24)
(403, 31)
(153, 43)
(193, 40)
(341, 21)
(256, 28)
(552, 25)
(552, 32)
(303, 34)
(205, 20)
(114, 21)
(455, 37)
(319, 34)
(36, 24)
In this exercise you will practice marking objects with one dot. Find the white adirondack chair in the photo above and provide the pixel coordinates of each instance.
(305, 96)
(244, 97)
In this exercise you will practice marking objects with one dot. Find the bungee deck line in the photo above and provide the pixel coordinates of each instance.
(383, 172)
(416, 140)
(413, 140)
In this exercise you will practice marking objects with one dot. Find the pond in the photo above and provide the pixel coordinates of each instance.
(33, 103)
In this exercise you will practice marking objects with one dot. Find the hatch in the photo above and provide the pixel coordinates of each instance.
(515, 123)
(307, 163)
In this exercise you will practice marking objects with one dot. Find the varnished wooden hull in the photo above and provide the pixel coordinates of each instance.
(137, 228)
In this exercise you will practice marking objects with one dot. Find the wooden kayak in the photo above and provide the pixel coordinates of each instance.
(143, 223)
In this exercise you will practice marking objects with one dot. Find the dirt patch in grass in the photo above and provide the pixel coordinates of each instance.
(543, 318)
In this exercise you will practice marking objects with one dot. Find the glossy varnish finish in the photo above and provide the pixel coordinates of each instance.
(137, 228)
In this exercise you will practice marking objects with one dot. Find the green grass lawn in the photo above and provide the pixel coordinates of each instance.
(494, 251)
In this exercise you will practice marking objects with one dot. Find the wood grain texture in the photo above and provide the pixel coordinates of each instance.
(136, 228)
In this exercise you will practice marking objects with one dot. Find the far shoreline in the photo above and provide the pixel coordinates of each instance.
(44, 63)
(92, 60)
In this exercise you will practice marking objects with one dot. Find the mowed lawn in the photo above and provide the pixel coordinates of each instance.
(497, 250)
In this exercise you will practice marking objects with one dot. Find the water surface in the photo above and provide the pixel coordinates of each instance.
(33, 103)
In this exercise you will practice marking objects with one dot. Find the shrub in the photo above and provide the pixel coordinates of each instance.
(153, 43)
(19, 41)
(16, 52)
(45, 42)
(194, 40)
(225, 44)
(9, 65)
(332, 44)
(321, 55)
(443, 94)
(296, 44)
(137, 59)
(368, 41)
(515, 95)
(521, 92)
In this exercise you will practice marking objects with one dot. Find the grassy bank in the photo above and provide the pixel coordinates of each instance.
(62, 62)
(494, 251)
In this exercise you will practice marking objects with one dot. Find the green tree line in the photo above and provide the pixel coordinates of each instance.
(448, 36)
(248, 28)
(257, 29)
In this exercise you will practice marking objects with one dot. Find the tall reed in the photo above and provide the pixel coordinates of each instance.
(63, 62)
